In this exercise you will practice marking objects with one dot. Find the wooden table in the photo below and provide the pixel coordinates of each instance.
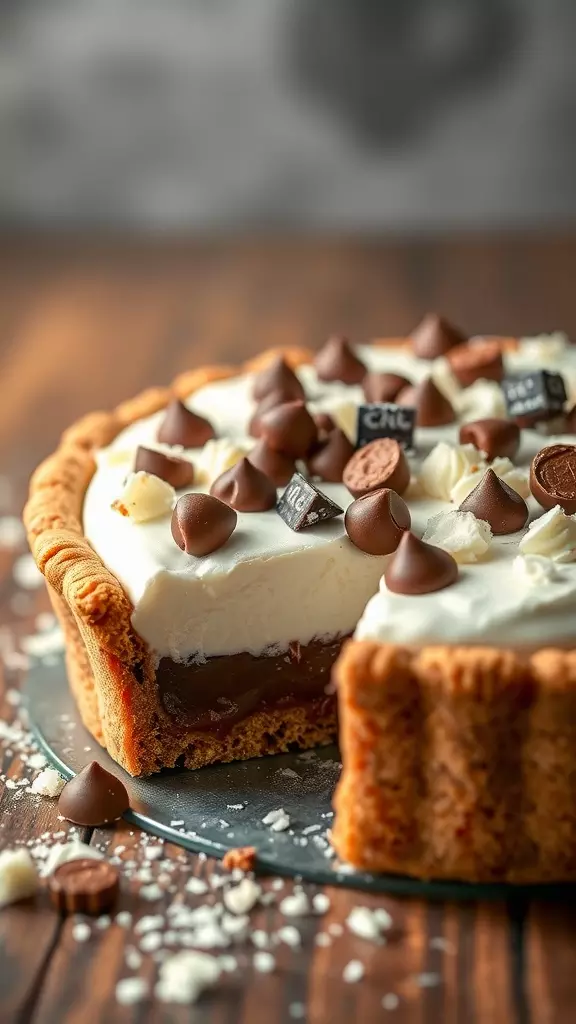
(84, 324)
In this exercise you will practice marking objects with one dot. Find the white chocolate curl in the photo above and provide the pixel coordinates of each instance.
(552, 536)
(461, 534)
(446, 466)
(145, 497)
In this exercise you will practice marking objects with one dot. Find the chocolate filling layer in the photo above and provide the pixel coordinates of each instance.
(215, 695)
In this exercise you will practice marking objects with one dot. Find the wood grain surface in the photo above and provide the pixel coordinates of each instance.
(85, 323)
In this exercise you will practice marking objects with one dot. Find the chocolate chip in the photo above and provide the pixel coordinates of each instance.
(289, 429)
(303, 504)
(385, 420)
(553, 477)
(84, 886)
(337, 361)
(383, 387)
(270, 401)
(277, 376)
(381, 463)
(534, 397)
(93, 797)
(476, 360)
(275, 465)
(177, 472)
(434, 336)
(329, 461)
(202, 524)
(375, 522)
(432, 407)
(494, 437)
(419, 568)
(324, 423)
(184, 427)
(245, 488)
(497, 504)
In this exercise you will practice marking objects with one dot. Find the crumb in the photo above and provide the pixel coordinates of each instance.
(242, 857)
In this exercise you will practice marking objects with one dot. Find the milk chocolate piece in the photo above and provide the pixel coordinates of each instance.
(177, 472)
(183, 427)
(278, 377)
(245, 488)
(324, 423)
(270, 401)
(376, 521)
(434, 336)
(381, 463)
(337, 361)
(419, 568)
(290, 429)
(495, 437)
(497, 504)
(553, 477)
(432, 407)
(93, 797)
(303, 505)
(383, 387)
(385, 420)
(275, 465)
(84, 886)
(569, 425)
(202, 524)
(329, 461)
(534, 397)
(476, 360)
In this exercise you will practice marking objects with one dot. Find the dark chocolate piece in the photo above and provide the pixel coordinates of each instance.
(495, 437)
(245, 488)
(278, 377)
(183, 427)
(375, 522)
(385, 420)
(476, 360)
(553, 477)
(419, 568)
(202, 524)
(84, 886)
(534, 397)
(337, 361)
(329, 461)
(177, 472)
(303, 505)
(93, 797)
(497, 504)
(432, 407)
(383, 387)
(290, 429)
(381, 463)
(275, 465)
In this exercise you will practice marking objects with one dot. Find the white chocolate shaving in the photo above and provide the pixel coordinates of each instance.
(461, 534)
(345, 416)
(145, 497)
(446, 466)
(481, 400)
(552, 536)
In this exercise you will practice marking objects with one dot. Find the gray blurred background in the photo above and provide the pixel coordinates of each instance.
(320, 114)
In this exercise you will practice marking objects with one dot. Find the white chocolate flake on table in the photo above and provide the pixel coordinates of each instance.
(553, 536)
(145, 497)
(48, 783)
(461, 534)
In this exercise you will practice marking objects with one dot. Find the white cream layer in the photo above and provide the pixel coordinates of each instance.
(269, 586)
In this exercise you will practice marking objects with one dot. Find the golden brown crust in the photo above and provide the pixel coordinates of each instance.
(458, 762)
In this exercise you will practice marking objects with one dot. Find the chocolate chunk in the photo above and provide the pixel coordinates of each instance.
(303, 504)
(202, 524)
(385, 420)
(84, 886)
(434, 336)
(329, 461)
(337, 361)
(497, 504)
(275, 465)
(383, 387)
(278, 377)
(534, 397)
(324, 423)
(375, 522)
(181, 426)
(476, 360)
(553, 477)
(494, 437)
(93, 797)
(245, 488)
(177, 472)
(289, 429)
(419, 568)
(381, 463)
(432, 407)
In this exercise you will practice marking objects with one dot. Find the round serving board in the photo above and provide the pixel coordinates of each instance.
(218, 808)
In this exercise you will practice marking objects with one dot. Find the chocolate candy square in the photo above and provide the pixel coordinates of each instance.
(384, 419)
(303, 504)
(534, 396)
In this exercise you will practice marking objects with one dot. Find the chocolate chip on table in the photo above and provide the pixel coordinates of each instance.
(84, 886)
(376, 522)
(93, 797)
(279, 378)
(183, 427)
(432, 407)
(534, 397)
(381, 463)
(245, 488)
(177, 472)
(497, 438)
(275, 465)
(330, 459)
(383, 387)
(337, 361)
(202, 523)
(497, 504)
(553, 477)
(289, 429)
(435, 336)
(475, 360)
(303, 504)
(419, 568)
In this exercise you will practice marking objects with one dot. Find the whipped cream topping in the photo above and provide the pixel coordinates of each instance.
(269, 586)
